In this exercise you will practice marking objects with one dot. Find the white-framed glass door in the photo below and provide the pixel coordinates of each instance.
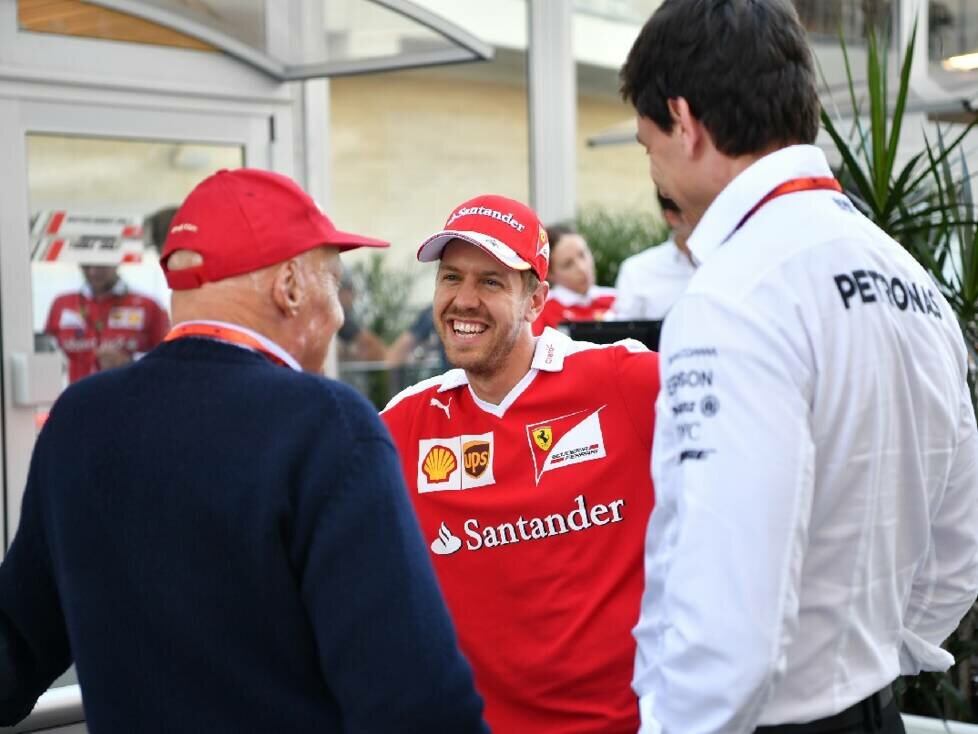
(88, 173)
(80, 183)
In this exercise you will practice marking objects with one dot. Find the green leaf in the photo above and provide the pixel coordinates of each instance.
(852, 168)
(877, 121)
(901, 102)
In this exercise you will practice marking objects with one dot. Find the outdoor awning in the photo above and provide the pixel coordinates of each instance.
(304, 39)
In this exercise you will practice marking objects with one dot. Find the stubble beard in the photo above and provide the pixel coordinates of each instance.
(488, 361)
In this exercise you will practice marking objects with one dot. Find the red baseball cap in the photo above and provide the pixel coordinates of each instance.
(506, 229)
(247, 219)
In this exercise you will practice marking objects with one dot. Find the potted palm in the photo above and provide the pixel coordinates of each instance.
(926, 204)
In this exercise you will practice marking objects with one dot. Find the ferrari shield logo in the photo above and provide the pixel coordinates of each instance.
(543, 437)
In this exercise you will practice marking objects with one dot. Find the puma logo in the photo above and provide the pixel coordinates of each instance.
(436, 403)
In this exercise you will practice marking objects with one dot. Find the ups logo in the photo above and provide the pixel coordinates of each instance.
(476, 457)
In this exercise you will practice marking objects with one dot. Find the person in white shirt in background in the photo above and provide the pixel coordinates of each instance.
(573, 293)
(816, 455)
(650, 282)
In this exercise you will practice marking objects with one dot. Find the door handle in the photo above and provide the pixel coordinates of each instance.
(37, 379)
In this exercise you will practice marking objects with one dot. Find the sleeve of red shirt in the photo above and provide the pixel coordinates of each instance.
(638, 382)
(54, 316)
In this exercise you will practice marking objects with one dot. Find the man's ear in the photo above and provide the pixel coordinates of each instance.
(690, 130)
(288, 287)
(534, 304)
(673, 218)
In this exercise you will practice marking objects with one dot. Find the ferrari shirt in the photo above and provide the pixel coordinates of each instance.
(81, 323)
(563, 304)
(535, 510)
(816, 524)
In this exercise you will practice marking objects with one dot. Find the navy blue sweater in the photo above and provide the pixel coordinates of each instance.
(225, 545)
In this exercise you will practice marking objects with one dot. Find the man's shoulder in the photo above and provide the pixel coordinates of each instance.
(651, 258)
(620, 372)
(587, 361)
(66, 300)
(418, 395)
(603, 294)
(266, 387)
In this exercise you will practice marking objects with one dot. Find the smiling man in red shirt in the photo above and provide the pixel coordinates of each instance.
(528, 466)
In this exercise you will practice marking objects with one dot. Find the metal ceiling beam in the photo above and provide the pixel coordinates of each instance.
(469, 48)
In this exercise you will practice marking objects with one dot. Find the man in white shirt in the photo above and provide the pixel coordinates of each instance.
(816, 523)
(650, 282)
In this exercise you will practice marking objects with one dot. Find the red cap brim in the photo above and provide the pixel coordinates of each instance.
(349, 241)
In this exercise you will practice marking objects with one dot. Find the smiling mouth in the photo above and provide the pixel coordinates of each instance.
(467, 329)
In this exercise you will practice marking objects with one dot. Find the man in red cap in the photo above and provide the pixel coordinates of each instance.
(528, 468)
(249, 561)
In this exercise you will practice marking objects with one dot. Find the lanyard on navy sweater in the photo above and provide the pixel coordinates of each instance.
(223, 334)
(809, 183)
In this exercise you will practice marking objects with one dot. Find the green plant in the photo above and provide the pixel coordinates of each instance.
(615, 235)
(927, 206)
(382, 292)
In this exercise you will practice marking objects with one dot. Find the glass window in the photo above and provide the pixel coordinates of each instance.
(99, 213)
(953, 26)
(407, 147)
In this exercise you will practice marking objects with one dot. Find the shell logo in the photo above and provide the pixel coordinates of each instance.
(439, 464)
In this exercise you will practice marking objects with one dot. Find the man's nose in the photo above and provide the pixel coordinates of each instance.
(466, 295)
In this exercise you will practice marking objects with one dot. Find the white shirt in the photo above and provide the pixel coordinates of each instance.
(566, 297)
(650, 282)
(816, 524)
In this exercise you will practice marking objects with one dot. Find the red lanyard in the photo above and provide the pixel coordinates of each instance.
(810, 183)
(224, 334)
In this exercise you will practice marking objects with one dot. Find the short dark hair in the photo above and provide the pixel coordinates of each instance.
(556, 231)
(667, 204)
(744, 67)
(158, 227)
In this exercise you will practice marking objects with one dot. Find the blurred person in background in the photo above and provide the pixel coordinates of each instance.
(650, 282)
(417, 342)
(157, 226)
(573, 293)
(356, 342)
(105, 324)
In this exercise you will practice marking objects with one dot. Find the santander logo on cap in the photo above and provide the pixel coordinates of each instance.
(485, 211)
(505, 228)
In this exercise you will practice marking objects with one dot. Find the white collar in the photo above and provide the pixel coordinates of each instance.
(721, 218)
(119, 289)
(566, 297)
(548, 356)
(260, 338)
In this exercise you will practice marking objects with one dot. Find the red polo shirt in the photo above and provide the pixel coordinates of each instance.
(81, 323)
(535, 511)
